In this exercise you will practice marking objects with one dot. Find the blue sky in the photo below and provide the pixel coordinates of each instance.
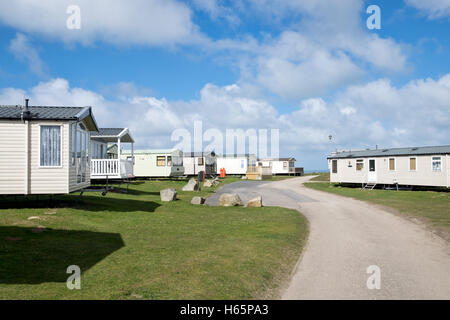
(308, 68)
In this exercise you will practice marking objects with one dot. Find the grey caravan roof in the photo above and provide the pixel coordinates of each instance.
(49, 113)
(413, 151)
(108, 132)
(112, 135)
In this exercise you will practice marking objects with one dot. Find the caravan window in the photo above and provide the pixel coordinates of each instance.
(50, 146)
(334, 166)
(160, 161)
(391, 164)
(82, 146)
(79, 150)
(412, 164)
(73, 143)
(372, 165)
(359, 165)
(200, 161)
(436, 164)
(169, 161)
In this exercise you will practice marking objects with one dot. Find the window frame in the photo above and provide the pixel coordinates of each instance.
(440, 161)
(360, 161)
(73, 144)
(374, 165)
(81, 130)
(333, 171)
(389, 164)
(409, 164)
(200, 159)
(61, 146)
(157, 161)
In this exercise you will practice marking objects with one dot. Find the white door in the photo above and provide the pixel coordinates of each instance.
(372, 175)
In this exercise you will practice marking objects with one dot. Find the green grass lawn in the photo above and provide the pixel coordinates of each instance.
(321, 176)
(133, 246)
(431, 206)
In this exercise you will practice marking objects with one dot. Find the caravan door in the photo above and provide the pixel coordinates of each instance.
(372, 174)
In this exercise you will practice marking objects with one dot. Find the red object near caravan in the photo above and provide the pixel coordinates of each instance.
(222, 172)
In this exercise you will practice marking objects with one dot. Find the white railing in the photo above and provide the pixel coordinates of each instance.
(126, 168)
(105, 167)
(112, 168)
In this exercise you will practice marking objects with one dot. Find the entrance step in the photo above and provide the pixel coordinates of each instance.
(369, 186)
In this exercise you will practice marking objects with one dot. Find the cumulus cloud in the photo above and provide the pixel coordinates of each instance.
(434, 9)
(329, 47)
(23, 50)
(296, 67)
(146, 22)
(360, 116)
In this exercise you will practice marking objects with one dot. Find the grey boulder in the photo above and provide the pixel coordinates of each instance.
(230, 200)
(168, 194)
(198, 200)
(255, 202)
(192, 185)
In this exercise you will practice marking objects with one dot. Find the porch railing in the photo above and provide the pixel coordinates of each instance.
(111, 167)
(126, 168)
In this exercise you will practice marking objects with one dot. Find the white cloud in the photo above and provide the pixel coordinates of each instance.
(296, 67)
(434, 9)
(360, 116)
(22, 49)
(330, 47)
(146, 22)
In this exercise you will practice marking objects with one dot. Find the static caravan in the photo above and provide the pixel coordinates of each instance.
(44, 150)
(157, 163)
(194, 162)
(280, 166)
(235, 163)
(106, 165)
(418, 166)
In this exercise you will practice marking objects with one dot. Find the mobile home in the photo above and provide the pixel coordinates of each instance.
(44, 149)
(194, 162)
(107, 165)
(418, 166)
(235, 163)
(157, 163)
(280, 166)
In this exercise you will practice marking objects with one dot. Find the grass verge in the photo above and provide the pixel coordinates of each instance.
(133, 246)
(321, 176)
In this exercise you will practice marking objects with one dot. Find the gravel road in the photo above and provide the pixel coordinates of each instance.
(346, 237)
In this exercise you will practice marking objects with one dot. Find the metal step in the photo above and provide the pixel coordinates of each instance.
(369, 186)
